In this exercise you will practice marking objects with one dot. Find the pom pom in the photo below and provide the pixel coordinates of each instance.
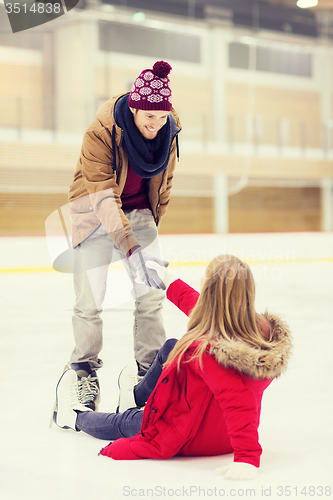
(161, 69)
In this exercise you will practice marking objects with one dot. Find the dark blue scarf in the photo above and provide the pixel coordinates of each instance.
(148, 157)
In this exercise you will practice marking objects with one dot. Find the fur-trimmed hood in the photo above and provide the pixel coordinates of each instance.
(252, 361)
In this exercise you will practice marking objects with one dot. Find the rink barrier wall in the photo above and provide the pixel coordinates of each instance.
(172, 264)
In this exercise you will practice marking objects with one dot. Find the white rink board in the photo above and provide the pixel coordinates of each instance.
(22, 252)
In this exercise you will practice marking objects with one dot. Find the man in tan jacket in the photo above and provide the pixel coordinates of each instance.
(120, 191)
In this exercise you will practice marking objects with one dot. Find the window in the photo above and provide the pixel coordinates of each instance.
(135, 40)
(271, 60)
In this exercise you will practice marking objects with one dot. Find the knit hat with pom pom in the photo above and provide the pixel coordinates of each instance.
(151, 90)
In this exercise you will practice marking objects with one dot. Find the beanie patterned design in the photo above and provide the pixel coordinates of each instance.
(151, 90)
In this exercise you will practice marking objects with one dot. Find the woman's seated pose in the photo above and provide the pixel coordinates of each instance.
(202, 394)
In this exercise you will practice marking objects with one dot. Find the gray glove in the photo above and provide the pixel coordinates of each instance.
(148, 275)
(166, 275)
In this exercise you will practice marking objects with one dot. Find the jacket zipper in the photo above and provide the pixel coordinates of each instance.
(150, 410)
(159, 190)
(159, 199)
(120, 158)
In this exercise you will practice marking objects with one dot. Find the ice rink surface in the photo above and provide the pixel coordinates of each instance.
(294, 276)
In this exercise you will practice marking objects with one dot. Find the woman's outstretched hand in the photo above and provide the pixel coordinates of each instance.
(237, 470)
(165, 275)
(148, 274)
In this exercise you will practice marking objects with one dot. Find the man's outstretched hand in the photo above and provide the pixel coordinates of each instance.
(148, 274)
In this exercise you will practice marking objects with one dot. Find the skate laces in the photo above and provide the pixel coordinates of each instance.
(87, 389)
(130, 381)
(73, 396)
(128, 378)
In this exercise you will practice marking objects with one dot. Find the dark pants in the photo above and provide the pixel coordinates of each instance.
(111, 426)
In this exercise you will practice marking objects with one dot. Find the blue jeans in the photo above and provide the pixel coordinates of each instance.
(111, 426)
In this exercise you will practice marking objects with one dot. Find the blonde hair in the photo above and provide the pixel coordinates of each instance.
(225, 309)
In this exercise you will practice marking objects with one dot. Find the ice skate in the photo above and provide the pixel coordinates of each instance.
(127, 379)
(67, 367)
(67, 401)
(88, 385)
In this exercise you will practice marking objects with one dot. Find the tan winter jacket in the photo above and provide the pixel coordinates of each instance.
(96, 189)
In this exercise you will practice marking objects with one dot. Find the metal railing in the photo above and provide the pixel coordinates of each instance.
(19, 114)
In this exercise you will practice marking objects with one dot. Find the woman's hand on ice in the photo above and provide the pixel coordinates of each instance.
(237, 470)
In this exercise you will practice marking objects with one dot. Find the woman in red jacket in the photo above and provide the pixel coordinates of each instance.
(207, 398)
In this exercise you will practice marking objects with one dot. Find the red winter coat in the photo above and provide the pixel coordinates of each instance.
(209, 411)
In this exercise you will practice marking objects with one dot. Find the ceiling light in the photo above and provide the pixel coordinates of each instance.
(107, 8)
(139, 17)
(304, 4)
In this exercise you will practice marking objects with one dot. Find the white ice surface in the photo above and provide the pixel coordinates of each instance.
(38, 463)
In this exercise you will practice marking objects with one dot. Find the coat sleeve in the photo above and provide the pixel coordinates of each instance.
(239, 407)
(96, 162)
(182, 295)
(120, 450)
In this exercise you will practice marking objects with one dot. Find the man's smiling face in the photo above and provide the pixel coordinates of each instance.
(149, 122)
